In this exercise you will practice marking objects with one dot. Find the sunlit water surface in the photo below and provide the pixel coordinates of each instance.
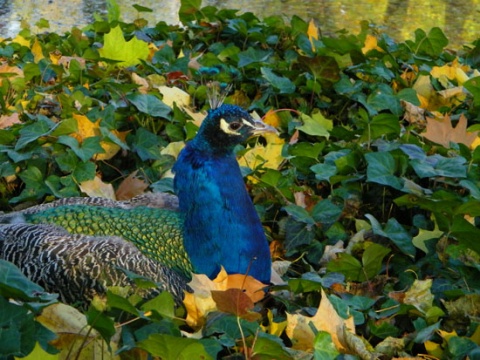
(399, 18)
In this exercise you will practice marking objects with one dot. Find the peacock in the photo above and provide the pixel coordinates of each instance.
(212, 224)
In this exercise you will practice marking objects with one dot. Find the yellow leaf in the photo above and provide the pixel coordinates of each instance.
(326, 319)
(419, 295)
(273, 327)
(475, 143)
(86, 128)
(433, 349)
(312, 32)
(74, 334)
(371, 43)
(55, 57)
(442, 132)
(111, 148)
(97, 188)
(19, 39)
(37, 51)
(174, 95)
(270, 155)
(271, 118)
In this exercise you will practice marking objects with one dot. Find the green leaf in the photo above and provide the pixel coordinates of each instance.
(84, 171)
(473, 86)
(251, 56)
(13, 284)
(395, 232)
(147, 145)
(127, 53)
(347, 265)
(299, 214)
(188, 9)
(140, 8)
(316, 125)
(266, 348)
(466, 233)
(150, 105)
(30, 133)
(324, 347)
(283, 84)
(17, 330)
(431, 44)
(85, 151)
(381, 169)
(372, 259)
(169, 347)
(101, 322)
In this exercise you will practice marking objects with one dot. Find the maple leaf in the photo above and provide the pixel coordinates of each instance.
(128, 53)
(442, 132)
(202, 301)
(130, 187)
(326, 319)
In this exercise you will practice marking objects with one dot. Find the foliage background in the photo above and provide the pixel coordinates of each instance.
(371, 193)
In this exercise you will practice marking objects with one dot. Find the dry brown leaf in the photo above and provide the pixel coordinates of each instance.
(442, 132)
(413, 114)
(144, 86)
(130, 187)
(235, 302)
(326, 319)
(9, 120)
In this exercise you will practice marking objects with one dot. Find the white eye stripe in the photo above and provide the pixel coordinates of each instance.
(246, 122)
(226, 128)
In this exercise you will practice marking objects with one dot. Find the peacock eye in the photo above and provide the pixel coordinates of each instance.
(235, 126)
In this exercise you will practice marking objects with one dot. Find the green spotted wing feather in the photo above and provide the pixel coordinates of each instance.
(155, 232)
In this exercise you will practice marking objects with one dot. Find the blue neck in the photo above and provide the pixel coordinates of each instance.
(221, 225)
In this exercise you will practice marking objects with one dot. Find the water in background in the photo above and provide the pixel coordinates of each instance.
(399, 18)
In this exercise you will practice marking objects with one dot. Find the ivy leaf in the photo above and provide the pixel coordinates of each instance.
(283, 84)
(395, 232)
(127, 53)
(381, 169)
(150, 105)
(316, 125)
(430, 44)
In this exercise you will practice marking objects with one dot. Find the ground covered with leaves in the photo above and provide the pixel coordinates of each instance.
(370, 196)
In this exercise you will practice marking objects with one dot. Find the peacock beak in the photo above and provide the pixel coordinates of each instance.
(259, 127)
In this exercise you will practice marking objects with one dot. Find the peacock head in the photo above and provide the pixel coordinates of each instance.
(229, 125)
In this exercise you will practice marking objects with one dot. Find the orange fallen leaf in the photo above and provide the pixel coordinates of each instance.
(201, 302)
(442, 132)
